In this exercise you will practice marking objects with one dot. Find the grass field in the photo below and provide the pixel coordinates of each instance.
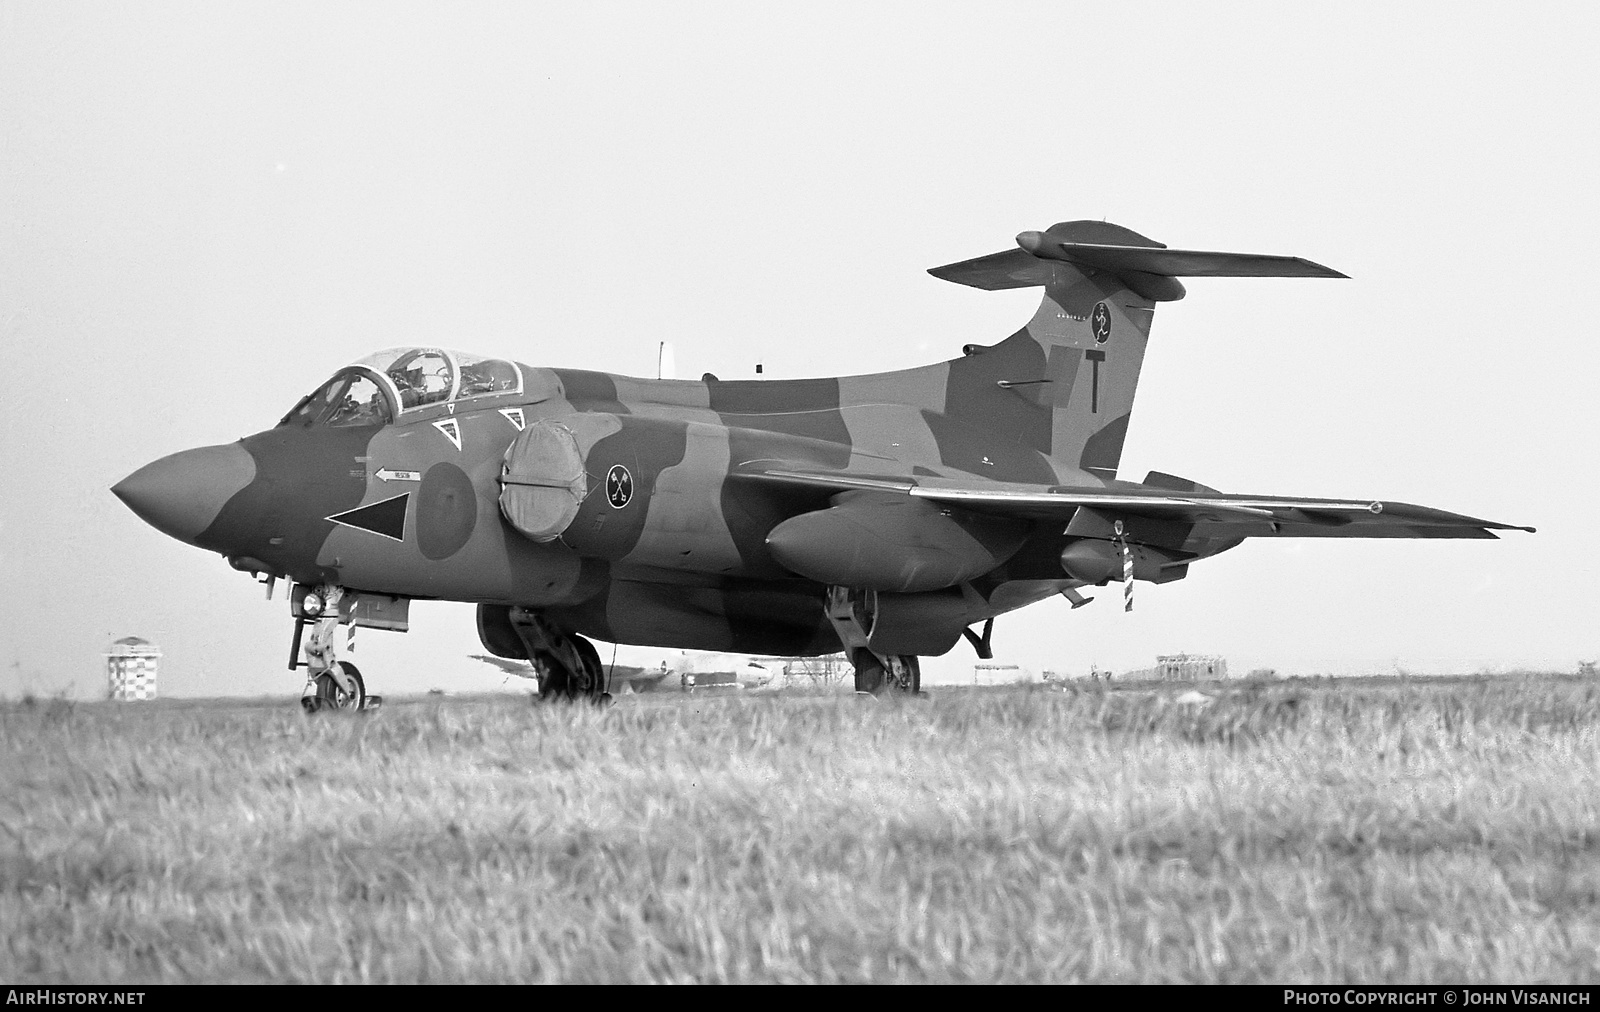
(1439, 830)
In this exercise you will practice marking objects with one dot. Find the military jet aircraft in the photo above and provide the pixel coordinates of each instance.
(887, 515)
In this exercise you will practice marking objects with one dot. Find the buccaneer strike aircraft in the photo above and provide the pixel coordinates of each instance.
(885, 515)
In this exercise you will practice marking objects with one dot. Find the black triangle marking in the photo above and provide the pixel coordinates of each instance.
(386, 518)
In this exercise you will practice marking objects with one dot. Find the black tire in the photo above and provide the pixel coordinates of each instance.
(903, 675)
(573, 674)
(592, 681)
(331, 697)
(908, 679)
(869, 671)
(554, 681)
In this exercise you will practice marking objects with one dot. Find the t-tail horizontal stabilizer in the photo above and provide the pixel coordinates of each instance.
(1147, 266)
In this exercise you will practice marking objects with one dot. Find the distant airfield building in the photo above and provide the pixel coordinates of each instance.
(131, 669)
(1001, 674)
(1190, 667)
(816, 672)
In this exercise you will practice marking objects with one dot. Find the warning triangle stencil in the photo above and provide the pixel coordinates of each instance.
(451, 429)
(386, 518)
(514, 416)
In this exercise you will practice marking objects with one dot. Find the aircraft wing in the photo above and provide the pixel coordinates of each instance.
(1238, 515)
(522, 669)
(619, 673)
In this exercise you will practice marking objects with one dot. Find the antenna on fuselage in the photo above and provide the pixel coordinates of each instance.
(666, 367)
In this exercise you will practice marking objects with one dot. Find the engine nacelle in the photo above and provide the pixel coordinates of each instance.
(543, 483)
(622, 486)
(893, 542)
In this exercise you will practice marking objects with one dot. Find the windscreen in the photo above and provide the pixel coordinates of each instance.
(350, 398)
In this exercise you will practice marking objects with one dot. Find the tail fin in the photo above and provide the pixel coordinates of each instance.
(1068, 377)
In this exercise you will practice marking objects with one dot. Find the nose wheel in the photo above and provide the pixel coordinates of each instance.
(325, 692)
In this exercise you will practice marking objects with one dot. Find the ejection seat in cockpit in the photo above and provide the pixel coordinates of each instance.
(422, 376)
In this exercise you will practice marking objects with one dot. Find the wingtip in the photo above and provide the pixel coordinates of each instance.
(1326, 271)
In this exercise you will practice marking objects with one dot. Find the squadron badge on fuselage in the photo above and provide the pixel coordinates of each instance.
(619, 486)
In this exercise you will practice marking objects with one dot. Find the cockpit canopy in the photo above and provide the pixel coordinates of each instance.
(390, 383)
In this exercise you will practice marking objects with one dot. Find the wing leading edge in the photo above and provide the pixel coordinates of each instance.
(1242, 515)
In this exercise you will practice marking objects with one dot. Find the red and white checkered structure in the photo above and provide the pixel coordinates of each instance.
(131, 669)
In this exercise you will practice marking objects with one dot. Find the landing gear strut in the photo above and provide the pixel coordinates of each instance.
(331, 684)
(568, 665)
(852, 612)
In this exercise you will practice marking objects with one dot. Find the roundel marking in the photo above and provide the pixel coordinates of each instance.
(619, 486)
(1100, 323)
(447, 511)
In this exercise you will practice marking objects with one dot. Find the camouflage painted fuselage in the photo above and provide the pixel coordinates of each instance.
(684, 563)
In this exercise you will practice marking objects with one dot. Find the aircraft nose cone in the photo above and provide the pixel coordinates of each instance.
(182, 494)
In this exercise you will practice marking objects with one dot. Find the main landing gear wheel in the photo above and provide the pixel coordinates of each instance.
(594, 684)
(568, 665)
(332, 696)
(571, 673)
(897, 674)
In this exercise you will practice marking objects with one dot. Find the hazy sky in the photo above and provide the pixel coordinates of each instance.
(205, 209)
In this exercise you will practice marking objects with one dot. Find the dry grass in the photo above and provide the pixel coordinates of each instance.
(1416, 831)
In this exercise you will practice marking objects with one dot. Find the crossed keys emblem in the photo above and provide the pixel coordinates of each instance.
(619, 486)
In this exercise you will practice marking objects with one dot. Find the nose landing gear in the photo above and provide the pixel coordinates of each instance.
(331, 684)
